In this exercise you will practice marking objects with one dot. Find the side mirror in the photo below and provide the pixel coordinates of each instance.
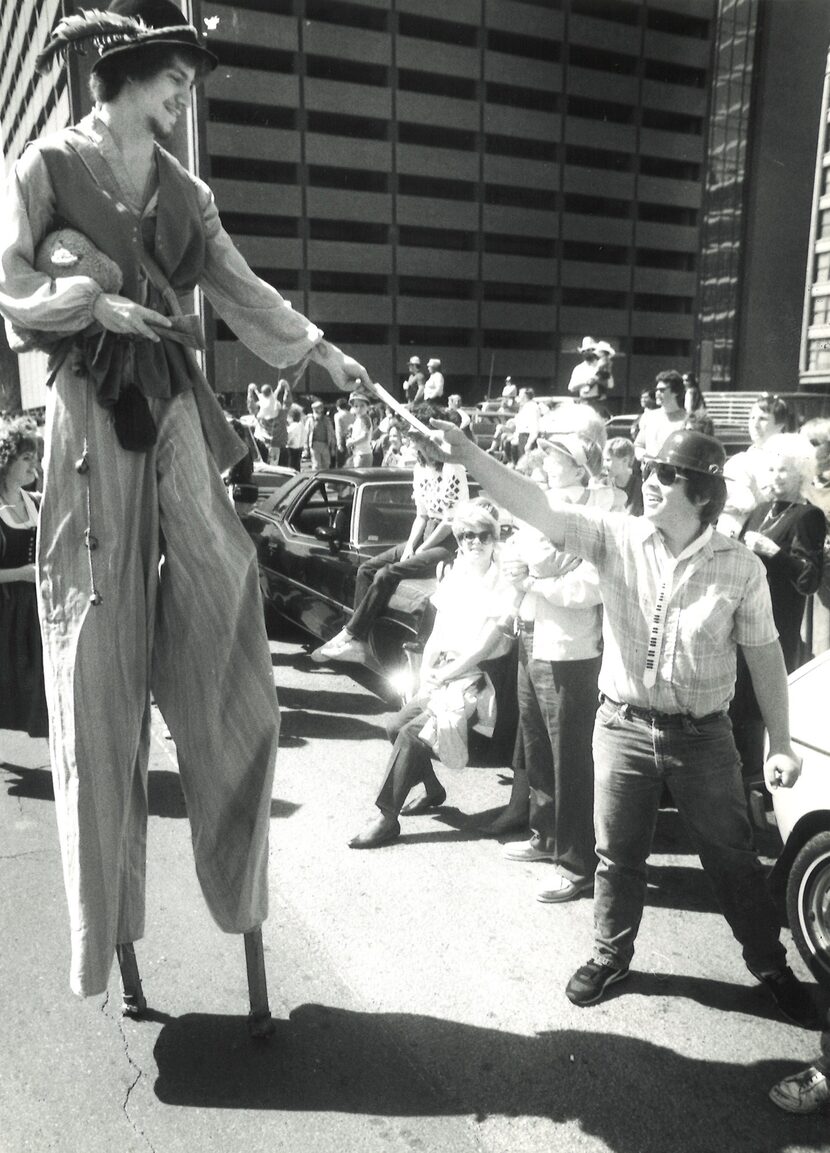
(327, 533)
(244, 493)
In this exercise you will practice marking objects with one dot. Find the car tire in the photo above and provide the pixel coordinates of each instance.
(808, 904)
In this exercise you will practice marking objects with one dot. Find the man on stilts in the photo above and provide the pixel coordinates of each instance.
(146, 579)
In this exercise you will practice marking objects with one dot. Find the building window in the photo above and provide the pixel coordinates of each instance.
(534, 247)
(617, 10)
(598, 158)
(431, 136)
(536, 99)
(666, 73)
(594, 253)
(261, 171)
(346, 71)
(605, 110)
(442, 31)
(340, 12)
(437, 84)
(818, 357)
(676, 23)
(820, 312)
(534, 49)
(822, 268)
(520, 146)
(593, 298)
(600, 61)
(597, 206)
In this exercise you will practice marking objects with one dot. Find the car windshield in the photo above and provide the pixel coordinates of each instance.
(386, 512)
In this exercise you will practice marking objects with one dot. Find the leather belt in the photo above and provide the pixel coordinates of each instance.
(661, 720)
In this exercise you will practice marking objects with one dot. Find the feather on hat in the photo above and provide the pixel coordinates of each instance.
(126, 26)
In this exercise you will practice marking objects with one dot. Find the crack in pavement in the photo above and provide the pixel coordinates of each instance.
(14, 856)
(139, 1073)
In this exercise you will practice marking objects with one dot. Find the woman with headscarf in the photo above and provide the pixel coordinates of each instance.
(22, 693)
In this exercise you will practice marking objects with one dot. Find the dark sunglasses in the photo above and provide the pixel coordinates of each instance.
(483, 536)
(667, 474)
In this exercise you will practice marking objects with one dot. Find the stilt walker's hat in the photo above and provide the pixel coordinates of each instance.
(125, 26)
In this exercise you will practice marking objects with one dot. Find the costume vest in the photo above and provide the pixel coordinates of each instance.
(87, 199)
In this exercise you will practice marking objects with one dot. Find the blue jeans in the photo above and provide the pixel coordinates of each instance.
(698, 762)
(556, 701)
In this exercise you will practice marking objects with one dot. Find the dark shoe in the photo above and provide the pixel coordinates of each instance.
(503, 825)
(424, 804)
(792, 998)
(588, 984)
(381, 831)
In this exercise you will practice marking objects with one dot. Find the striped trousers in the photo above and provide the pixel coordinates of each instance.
(180, 617)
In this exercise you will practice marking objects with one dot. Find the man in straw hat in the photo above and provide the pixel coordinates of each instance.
(136, 443)
(678, 600)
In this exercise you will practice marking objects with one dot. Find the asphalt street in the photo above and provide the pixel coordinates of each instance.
(418, 988)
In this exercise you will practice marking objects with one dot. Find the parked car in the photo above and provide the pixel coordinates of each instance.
(312, 535)
(487, 415)
(801, 876)
(620, 425)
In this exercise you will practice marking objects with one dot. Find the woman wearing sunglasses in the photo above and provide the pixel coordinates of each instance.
(472, 609)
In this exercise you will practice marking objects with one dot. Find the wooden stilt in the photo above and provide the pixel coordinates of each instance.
(260, 1022)
(133, 1001)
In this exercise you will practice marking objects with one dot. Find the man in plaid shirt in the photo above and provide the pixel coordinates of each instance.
(678, 599)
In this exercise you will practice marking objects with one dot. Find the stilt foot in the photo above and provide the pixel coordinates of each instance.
(260, 1022)
(133, 1001)
(261, 1025)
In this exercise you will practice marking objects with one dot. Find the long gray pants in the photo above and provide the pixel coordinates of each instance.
(191, 630)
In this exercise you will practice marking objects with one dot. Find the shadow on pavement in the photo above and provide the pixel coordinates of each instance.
(636, 1096)
(324, 700)
(164, 791)
(750, 999)
(326, 726)
(36, 784)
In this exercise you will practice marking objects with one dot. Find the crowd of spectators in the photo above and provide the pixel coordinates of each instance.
(547, 597)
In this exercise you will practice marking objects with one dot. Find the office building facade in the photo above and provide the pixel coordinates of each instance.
(485, 182)
(765, 111)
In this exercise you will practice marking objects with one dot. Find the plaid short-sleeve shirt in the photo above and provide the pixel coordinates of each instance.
(719, 599)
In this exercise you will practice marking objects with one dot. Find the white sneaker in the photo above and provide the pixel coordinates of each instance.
(331, 647)
(803, 1092)
(526, 851)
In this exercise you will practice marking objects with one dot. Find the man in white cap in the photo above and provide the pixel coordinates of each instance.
(592, 379)
(413, 386)
(434, 387)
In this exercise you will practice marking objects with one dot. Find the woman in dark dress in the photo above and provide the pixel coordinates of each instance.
(787, 533)
(22, 694)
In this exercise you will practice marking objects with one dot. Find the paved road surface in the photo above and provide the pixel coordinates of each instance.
(418, 987)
